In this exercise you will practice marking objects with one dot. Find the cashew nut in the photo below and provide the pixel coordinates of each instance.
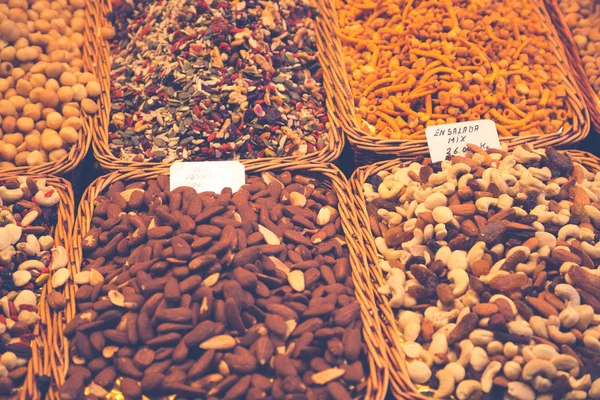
(468, 388)
(490, 372)
(544, 351)
(568, 294)
(559, 337)
(10, 195)
(582, 383)
(483, 203)
(537, 367)
(460, 279)
(447, 384)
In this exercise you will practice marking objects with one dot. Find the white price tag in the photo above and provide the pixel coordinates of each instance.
(208, 176)
(452, 139)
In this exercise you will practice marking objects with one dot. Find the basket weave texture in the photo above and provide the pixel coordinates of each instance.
(400, 383)
(369, 149)
(99, 9)
(332, 177)
(44, 355)
(591, 97)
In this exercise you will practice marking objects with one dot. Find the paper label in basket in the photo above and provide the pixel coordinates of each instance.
(452, 139)
(208, 176)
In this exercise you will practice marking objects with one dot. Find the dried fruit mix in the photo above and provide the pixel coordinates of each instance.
(29, 256)
(208, 80)
(491, 260)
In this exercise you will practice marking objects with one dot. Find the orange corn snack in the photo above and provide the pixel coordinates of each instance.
(416, 63)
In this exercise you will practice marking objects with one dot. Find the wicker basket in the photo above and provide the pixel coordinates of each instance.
(100, 140)
(368, 149)
(400, 383)
(43, 354)
(591, 97)
(377, 383)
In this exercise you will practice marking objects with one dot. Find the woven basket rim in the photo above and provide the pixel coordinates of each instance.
(378, 379)
(370, 148)
(44, 354)
(400, 383)
(100, 138)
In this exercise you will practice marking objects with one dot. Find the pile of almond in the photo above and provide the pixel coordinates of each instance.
(491, 260)
(205, 295)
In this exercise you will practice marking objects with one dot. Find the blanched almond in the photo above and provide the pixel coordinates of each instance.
(328, 375)
(116, 298)
(296, 280)
(297, 199)
(269, 236)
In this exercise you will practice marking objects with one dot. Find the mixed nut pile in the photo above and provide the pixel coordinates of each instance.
(223, 296)
(430, 62)
(582, 18)
(43, 89)
(28, 215)
(492, 260)
(208, 80)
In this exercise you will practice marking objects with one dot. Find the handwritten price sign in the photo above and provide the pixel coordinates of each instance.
(208, 176)
(452, 139)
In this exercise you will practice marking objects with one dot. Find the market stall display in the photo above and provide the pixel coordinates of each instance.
(488, 262)
(576, 23)
(36, 218)
(47, 95)
(249, 293)
(403, 68)
(211, 81)
(472, 277)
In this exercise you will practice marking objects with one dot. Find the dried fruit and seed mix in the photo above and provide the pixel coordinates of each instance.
(28, 256)
(206, 80)
(492, 261)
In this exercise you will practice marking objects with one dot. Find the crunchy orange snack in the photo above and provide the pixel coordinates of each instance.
(416, 63)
